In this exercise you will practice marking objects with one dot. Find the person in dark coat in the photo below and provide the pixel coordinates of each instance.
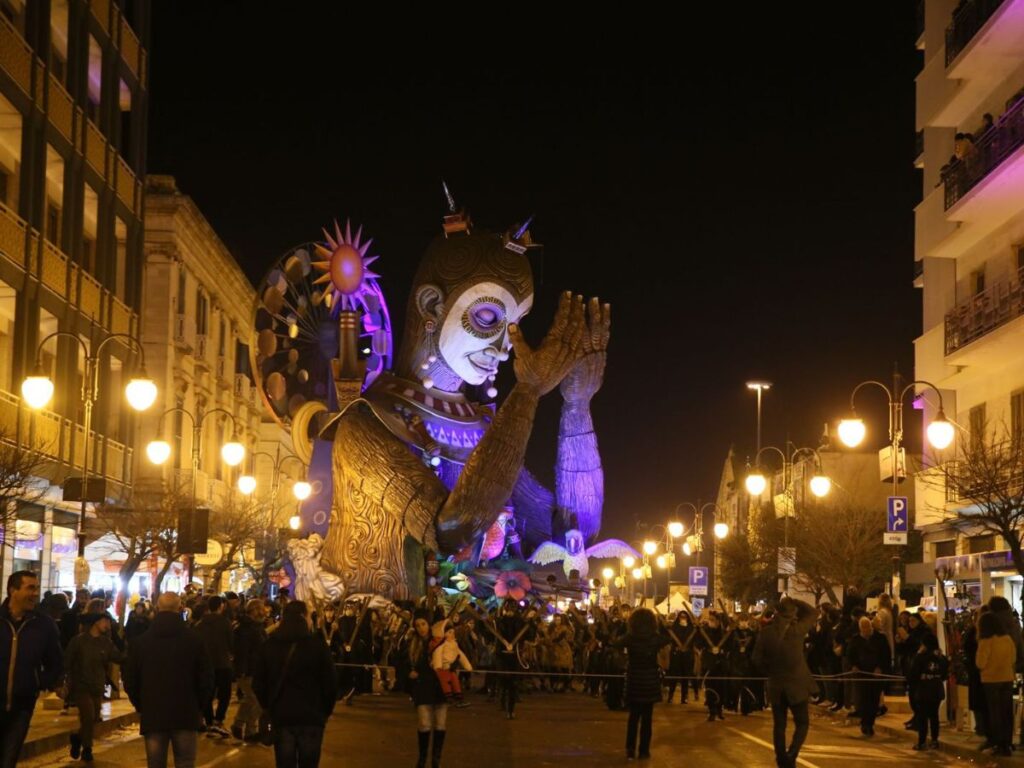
(868, 654)
(138, 621)
(30, 657)
(714, 663)
(643, 646)
(168, 678)
(425, 689)
(86, 659)
(215, 630)
(928, 672)
(743, 689)
(294, 681)
(975, 692)
(680, 664)
(779, 654)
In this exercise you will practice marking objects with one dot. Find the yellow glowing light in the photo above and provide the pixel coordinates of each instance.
(756, 483)
(294, 522)
(233, 452)
(820, 486)
(661, 561)
(141, 392)
(302, 489)
(247, 484)
(687, 549)
(37, 390)
(940, 432)
(638, 573)
(675, 529)
(158, 451)
(628, 561)
(721, 530)
(608, 573)
(650, 547)
(852, 431)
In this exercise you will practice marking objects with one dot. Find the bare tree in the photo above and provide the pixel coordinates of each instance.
(749, 563)
(236, 525)
(22, 472)
(985, 483)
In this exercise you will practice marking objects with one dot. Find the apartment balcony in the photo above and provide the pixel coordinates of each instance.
(62, 441)
(995, 316)
(223, 372)
(184, 333)
(242, 385)
(983, 47)
(201, 357)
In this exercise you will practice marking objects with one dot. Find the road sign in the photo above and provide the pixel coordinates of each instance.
(897, 519)
(698, 580)
(698, 605)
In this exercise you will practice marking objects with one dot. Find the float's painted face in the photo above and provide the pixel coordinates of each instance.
(474, 337)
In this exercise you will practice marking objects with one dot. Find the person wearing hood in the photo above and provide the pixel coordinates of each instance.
(215, 630)
(168, 678)
(293, 677)
(30, 658)
(86, 660)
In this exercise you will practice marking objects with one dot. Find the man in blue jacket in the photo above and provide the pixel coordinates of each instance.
(30, 661)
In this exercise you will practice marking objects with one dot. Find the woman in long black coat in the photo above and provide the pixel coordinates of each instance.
(425, 689)
(680, 663)
(643, 678)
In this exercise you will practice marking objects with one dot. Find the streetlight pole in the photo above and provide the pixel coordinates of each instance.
(233, 453)
(38, 390)
(940, 434)
(760, 387)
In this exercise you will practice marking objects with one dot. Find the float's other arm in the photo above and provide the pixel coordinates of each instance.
(579, 478)
(486, 483)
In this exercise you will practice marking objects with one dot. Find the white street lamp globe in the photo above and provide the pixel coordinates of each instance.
(37, 390)
(756, 483)
(852, 431)
(940, 432)
(721, 530)
(687, 549)
(247, 484)
(608, 573)
(628, 561)
(158, 451)
(661, 562)
(141, 393)
(233, 453)
(650, 547)
(675, 529)
(294, 522)
(302, 489)
(820, 486)
(638, 573)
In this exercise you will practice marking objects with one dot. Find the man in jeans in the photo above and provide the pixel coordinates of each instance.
(169, 678)
(30, 658)
(215, 631)
(779, 654)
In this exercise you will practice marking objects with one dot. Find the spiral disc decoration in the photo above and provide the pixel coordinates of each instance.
(295, 327)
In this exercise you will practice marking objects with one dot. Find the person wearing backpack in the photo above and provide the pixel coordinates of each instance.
(928, 672)
(294, 680)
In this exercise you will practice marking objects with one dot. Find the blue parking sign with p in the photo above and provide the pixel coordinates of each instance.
(698, 580)
(898, 517)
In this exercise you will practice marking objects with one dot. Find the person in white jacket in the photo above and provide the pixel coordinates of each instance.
(445, 657)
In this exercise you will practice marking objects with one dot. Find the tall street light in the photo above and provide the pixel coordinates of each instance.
(694, 539)
(301, 489)
(756, 482)
(37, 389)
(940, 433)
(232, 451)
(760, 387)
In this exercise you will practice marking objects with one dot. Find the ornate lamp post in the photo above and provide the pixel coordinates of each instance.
(37, 389)
(301, 489)
(232, 451)
(940, 433)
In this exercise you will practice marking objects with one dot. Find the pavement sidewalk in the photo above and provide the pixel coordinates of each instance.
(961, 744)
(51, 725)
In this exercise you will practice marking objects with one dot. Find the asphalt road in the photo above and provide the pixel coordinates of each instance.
(550, 730)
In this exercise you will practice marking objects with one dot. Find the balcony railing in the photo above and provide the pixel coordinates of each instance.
(918, 144)
(990, 149)
(966, 22)
(985, 312)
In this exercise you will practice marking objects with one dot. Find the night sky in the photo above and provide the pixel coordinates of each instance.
(740, 187)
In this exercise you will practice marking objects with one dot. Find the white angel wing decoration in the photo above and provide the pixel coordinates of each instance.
(612, 548)
(548, 552)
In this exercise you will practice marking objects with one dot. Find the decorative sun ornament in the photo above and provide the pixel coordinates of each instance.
(345, 268)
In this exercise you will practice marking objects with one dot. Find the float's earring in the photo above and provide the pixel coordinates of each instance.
(492, 391)
(429, 326)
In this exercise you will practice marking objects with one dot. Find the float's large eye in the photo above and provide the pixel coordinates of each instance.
(485, 317)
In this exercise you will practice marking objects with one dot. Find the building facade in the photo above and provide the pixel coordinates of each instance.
(195, 330)
(969, 256)
(73, 96)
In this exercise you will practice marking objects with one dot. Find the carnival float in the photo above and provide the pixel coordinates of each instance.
(418, 476)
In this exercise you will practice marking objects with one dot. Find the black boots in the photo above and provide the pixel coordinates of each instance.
(438, 746)
(76, 746)
(424, 743)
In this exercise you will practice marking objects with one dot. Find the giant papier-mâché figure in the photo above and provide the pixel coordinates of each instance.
(416, 465)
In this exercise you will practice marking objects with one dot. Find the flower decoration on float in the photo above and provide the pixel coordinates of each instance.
(514, 584)
(345, 265)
